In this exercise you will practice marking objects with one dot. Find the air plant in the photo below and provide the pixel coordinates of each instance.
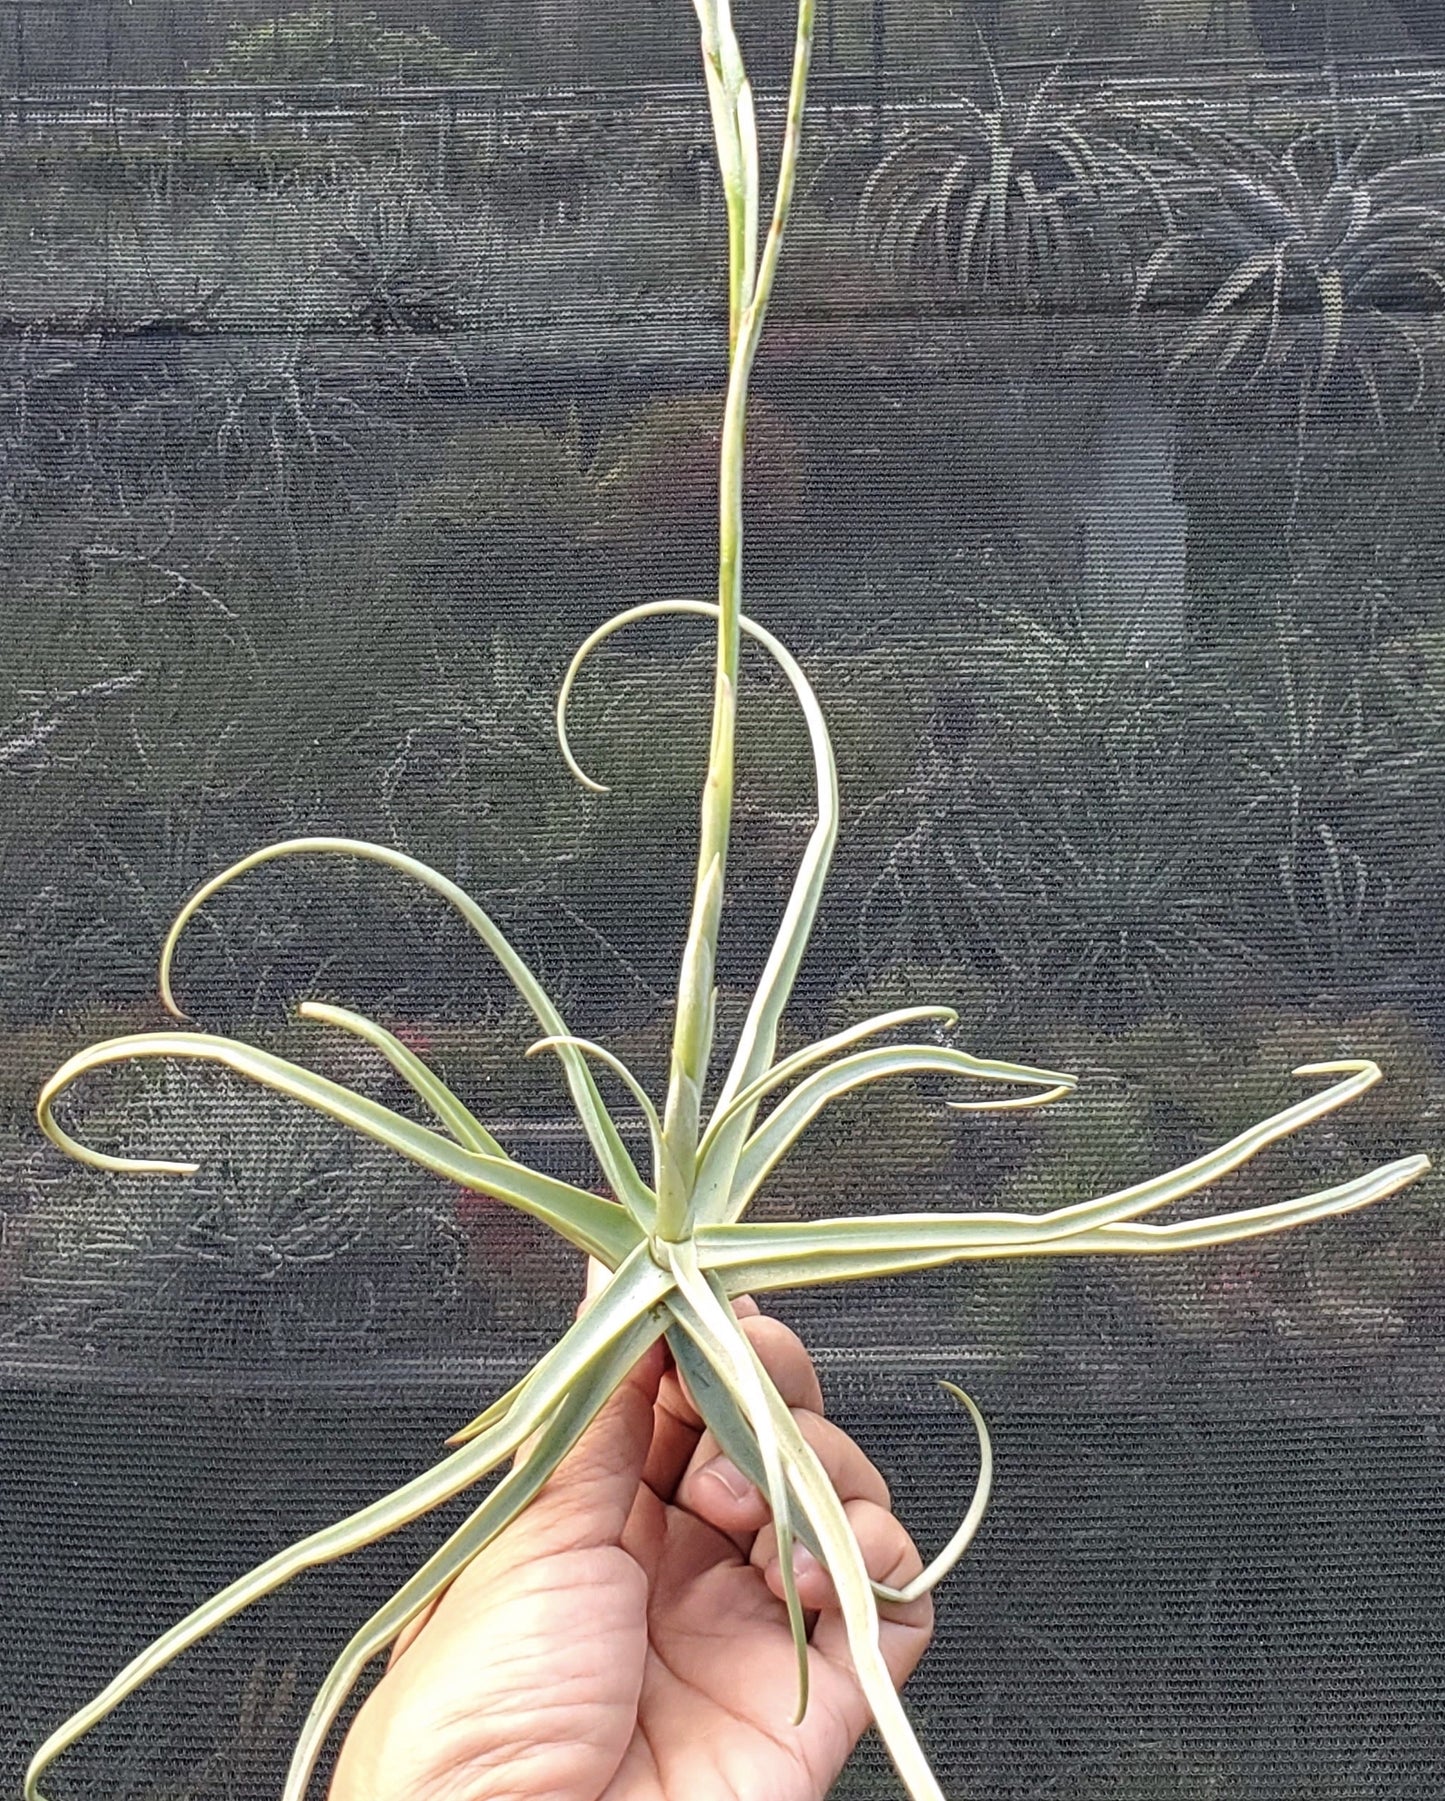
(1312, 266)
(1056, 846)
(1005, 201)
(1318, 756)
(394, 269)
(676, 1242)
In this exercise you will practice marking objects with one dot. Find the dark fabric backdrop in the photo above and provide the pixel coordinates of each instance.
(354, 362)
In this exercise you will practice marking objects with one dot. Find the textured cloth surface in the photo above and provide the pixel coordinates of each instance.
(356, 362)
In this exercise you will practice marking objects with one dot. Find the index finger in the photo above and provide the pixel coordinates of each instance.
(679, 1430)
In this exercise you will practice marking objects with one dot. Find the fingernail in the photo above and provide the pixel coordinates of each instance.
(724, 1470)
(804, 1564)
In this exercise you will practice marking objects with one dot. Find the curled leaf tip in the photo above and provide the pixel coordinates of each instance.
(580, 774)
(1016, 1103)
(564, 695)
(127, 1166)
(168, 953)
(168, 995)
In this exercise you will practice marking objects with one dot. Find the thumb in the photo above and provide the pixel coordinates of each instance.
(587, 1499)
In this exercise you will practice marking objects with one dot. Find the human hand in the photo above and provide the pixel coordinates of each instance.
(625, 1638)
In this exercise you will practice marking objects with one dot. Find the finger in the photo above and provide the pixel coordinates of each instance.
(721, 1494)
(880, 1542)
(677, 1427)
(587, 1499)
(679, 1423)
(785, 1357)
(597, 1277)
(718, 1493)
(892, 1558)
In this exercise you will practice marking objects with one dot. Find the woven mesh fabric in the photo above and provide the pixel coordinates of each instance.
(356, 362)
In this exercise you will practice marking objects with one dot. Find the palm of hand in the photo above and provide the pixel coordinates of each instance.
(625, 1640)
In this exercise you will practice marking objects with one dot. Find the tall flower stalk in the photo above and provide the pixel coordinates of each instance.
(750, 286)
(676, 1240)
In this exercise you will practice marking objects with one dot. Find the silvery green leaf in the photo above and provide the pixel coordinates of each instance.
(849, 1574)
(751, 1258)
(611, 1153)
(578, 1405)
(934, 1571)
(789, 1067)
(634, 1291)
(423, 1082)
(708, 1320)
(599, 1227)
(790, 1118)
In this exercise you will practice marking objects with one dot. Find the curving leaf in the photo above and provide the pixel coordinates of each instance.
(792, 1115)
(1199, 1172)
(606, 1143)
(735, 1437)
(758, 1037)
(585, 1395)
(423, 1082)
(929, 1577)
(610, 1060)
(752, 1258)
(597, 1226)
(1248, 1222)
(782, 1073)
(709, 1321)
(633, 1292)
(759, 1033)
(844, 1561)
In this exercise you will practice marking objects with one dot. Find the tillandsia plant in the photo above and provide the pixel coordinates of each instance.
(676, 1241)
(1311, 263)
(1013, 202)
